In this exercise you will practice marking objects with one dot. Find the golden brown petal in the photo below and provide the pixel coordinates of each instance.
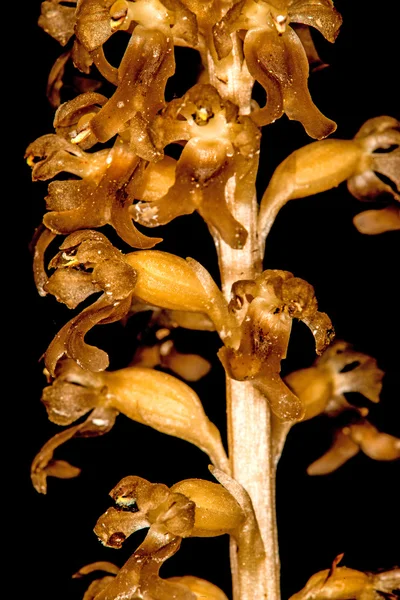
(54, 155)
(58, 20)
(97, 205)
(72, 117)
(185, 26)
(112, 275)
(100, 565)
(55, 79)
(383, 134)
(321, 387)
(66, 402)
(71, 287)
(280, 64)
(147, 64)
(376, 445)
(342, 449)
(97, 586)
(191, 367)
(321, 14)
(139, 576)
(304, 34)
(350, 440)
(81, 58)
(267, 306)
(364, 377)
(40, 242)
(222, 30)
(104, 67)
(100, 421)
(373, 222)
(93, 23)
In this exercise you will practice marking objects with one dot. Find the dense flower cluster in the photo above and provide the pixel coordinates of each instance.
(112, 154)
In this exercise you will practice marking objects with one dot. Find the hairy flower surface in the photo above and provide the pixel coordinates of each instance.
(276, 57)
(267, 307)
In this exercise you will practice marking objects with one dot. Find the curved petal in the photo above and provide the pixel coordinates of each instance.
(118, 280)
(388, 164)
(342, 449)
(139, 576)
(185, 26)
(304, 34)
(321, 14)
(104, 67)
(147, 64)
(257, 53)
(81, 58)
(222, 30)
(41, 241)
(280, 64)
(93, 23)
(375, 444)
(66, 402)
(58, 20)
(373, 222)
(70, 116)
(55, 155)
(367, 187)
(322, 329)
(100, 421)
(68, 195)
(55, 79)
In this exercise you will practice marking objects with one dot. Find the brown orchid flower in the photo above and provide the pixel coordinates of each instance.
(342, 583)
(190, 367)
(275, 56)
(338, 370)
(89, 263)
(266, 308)
(100, 197)
(94, 21)
(190, 508)
(200, 588)
(142, 394)
(57, 18)
(139, 576)
(323, 165)
(220, 145)
(360, 436)
(321, 387)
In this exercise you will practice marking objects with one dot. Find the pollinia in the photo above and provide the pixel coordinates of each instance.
(126, 157)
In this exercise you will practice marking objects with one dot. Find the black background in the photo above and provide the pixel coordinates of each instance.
(354, 510)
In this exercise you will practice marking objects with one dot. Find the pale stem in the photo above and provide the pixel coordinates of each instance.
(249, 429)
(250, 443)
